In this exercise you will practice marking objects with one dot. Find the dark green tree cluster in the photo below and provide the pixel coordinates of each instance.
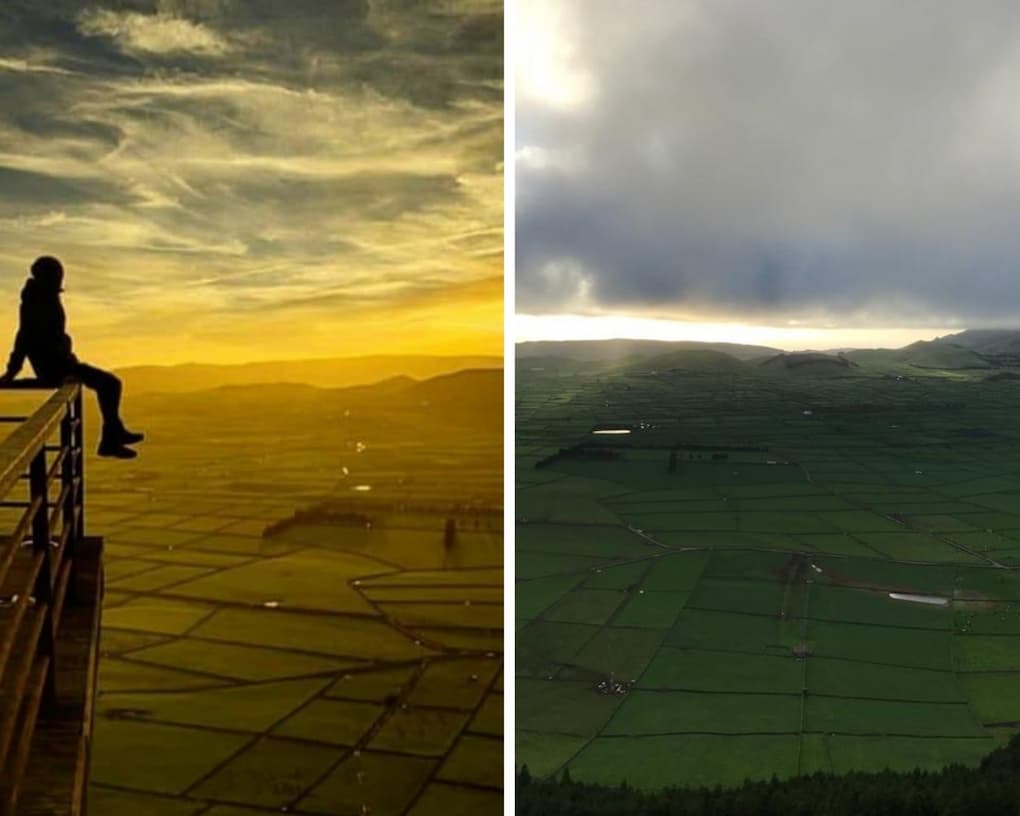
(992, 789)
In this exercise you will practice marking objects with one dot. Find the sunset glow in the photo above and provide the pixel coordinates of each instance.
(233, 182)
(790, 338)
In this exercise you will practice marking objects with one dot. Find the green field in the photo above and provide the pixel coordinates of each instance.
(274, 640)
(773, 572)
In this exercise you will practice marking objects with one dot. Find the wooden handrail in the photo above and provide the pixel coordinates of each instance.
(50, 577)
(28, 438)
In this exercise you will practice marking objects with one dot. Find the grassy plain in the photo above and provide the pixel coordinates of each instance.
(288, 624)
(787, 568)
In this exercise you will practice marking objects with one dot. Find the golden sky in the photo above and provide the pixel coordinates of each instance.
(228, 182)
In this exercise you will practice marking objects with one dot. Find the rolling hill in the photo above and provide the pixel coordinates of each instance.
(687, 360)
(470, 397)
(810, 362)
(968, 354)
(336, 372)
(923, 354)
(622, 349)
(985, 341)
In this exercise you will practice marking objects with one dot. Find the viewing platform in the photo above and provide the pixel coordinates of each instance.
(50, 588)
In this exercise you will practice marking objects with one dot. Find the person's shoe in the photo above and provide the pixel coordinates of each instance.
(116, 450)
(130, 437)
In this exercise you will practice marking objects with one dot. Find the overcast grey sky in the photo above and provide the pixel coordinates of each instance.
(849, 164)
(243, 179)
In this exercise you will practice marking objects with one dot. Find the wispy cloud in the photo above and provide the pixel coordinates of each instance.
(156, 33)
(24, 66)
(244, 164)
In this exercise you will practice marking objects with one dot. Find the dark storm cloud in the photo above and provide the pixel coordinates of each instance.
(220, 153)
(794, 160)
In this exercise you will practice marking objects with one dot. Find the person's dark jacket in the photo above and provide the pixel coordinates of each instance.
(42, 335)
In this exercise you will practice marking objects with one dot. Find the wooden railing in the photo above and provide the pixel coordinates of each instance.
(50, 585)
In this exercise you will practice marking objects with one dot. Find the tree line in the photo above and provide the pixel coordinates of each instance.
(990, 789)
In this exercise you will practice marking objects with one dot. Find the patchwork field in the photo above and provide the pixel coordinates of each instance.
(300, 671)
(275, 640)
(730, 574)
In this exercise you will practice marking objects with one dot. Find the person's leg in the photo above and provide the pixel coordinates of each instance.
(115, 437)
(108, 390)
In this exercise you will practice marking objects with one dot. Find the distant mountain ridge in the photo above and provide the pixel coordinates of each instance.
(467, 386)
(339, 372)
(622, 348)
(976, 352)
(985, 341)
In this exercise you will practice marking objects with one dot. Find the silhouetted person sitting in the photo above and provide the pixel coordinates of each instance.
(42, 337)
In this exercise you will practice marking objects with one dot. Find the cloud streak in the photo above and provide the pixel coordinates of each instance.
(136, 33)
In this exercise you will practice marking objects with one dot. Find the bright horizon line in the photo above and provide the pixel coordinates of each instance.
(574, 327)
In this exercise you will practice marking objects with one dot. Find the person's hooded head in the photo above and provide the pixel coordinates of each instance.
(48, 273)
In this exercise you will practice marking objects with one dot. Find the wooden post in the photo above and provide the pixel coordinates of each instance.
(67, 510)
(79, 458)
(43, 591)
